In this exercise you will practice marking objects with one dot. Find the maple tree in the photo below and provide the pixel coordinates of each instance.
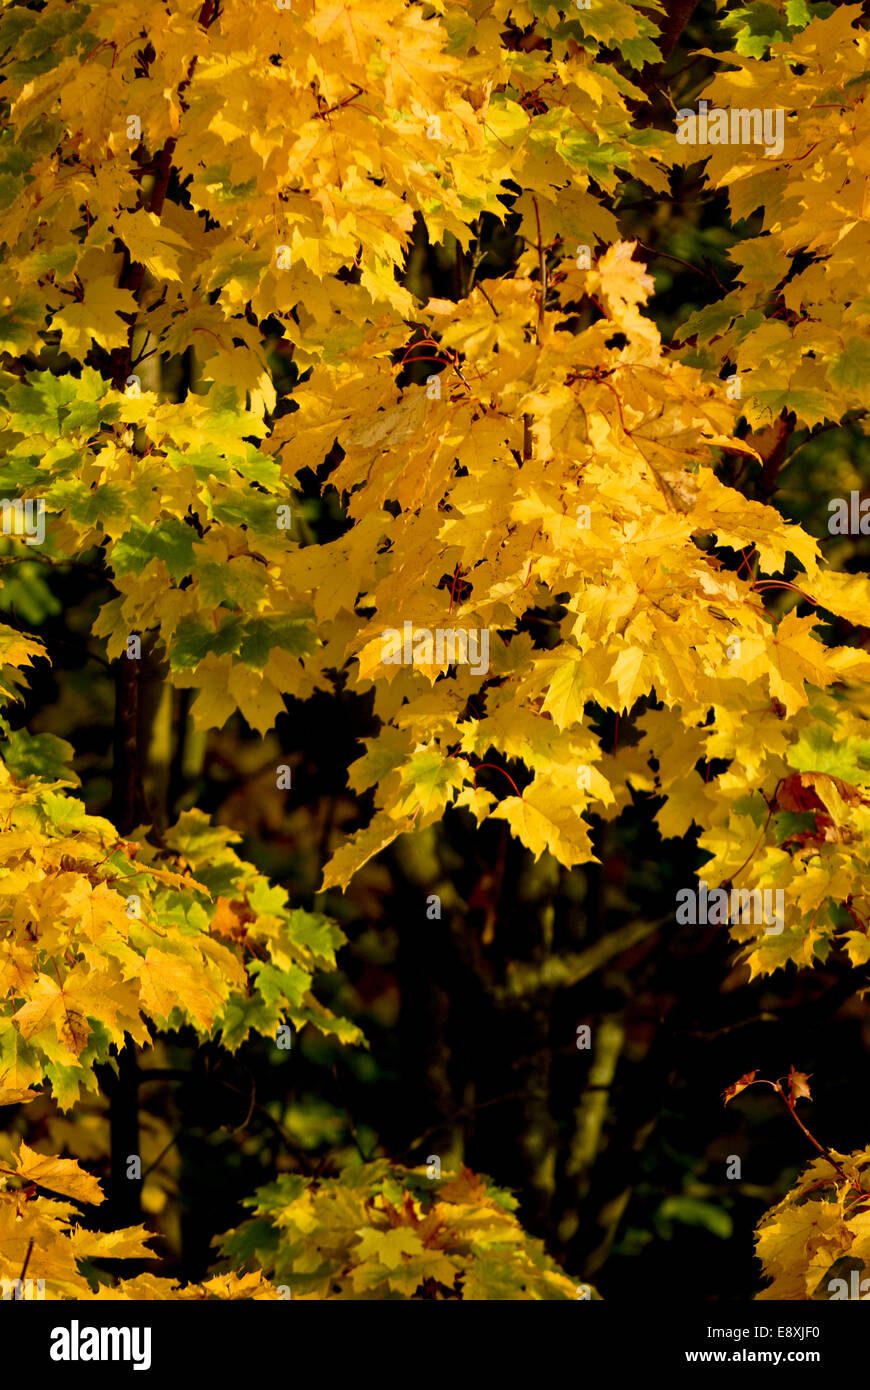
(263, 437)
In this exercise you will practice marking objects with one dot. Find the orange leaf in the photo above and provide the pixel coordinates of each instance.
(798, 1084)
(737, 1086)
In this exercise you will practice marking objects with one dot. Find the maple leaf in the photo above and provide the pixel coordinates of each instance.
(16, 1095)
(547, 818)
(53, 1006)
(737, 1086)
(167, 982)
(797, 657)
(628, 674)
(388, 1248)
(95, 318)
(17, 650)
(57, 1174)
(467, 1186)
(350, 857)
(798, 1085)
(567, 692)
(622, 281)
(128, 1243)
(150, 242)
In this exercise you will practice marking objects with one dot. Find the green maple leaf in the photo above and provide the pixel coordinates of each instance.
(851, 370)
(93, 506)
(39, 755)
(241, 1017)
(292, 635)
(166, 539)
(193, 641)
(280, 986)
(318, 933)
(817, 751)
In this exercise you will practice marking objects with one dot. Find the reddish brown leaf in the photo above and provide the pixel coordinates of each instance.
(737, 1086)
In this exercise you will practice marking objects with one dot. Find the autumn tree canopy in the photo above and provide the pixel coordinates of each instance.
(422, 398)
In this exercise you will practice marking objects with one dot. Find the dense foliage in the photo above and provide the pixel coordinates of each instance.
(414, 520)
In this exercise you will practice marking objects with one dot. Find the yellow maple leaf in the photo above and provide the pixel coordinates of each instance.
(389, 1248)
(796, 656)
(167, 982)
(127, 1243)
(62, 1175)
(362, 847)
(17, 650)
(95, 318)
(151, 243)
(623, 284)
(630, 672)
(568, 690)
(255, 696)
(16, 1095)
(51, 1005)
(547, 818)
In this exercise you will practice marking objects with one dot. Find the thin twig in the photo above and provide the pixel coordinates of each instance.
(366, 1158)
(50, 560)
(488, 300)
(322, 115)
(24, 1269)
(163, 1152)
(457, 1114)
